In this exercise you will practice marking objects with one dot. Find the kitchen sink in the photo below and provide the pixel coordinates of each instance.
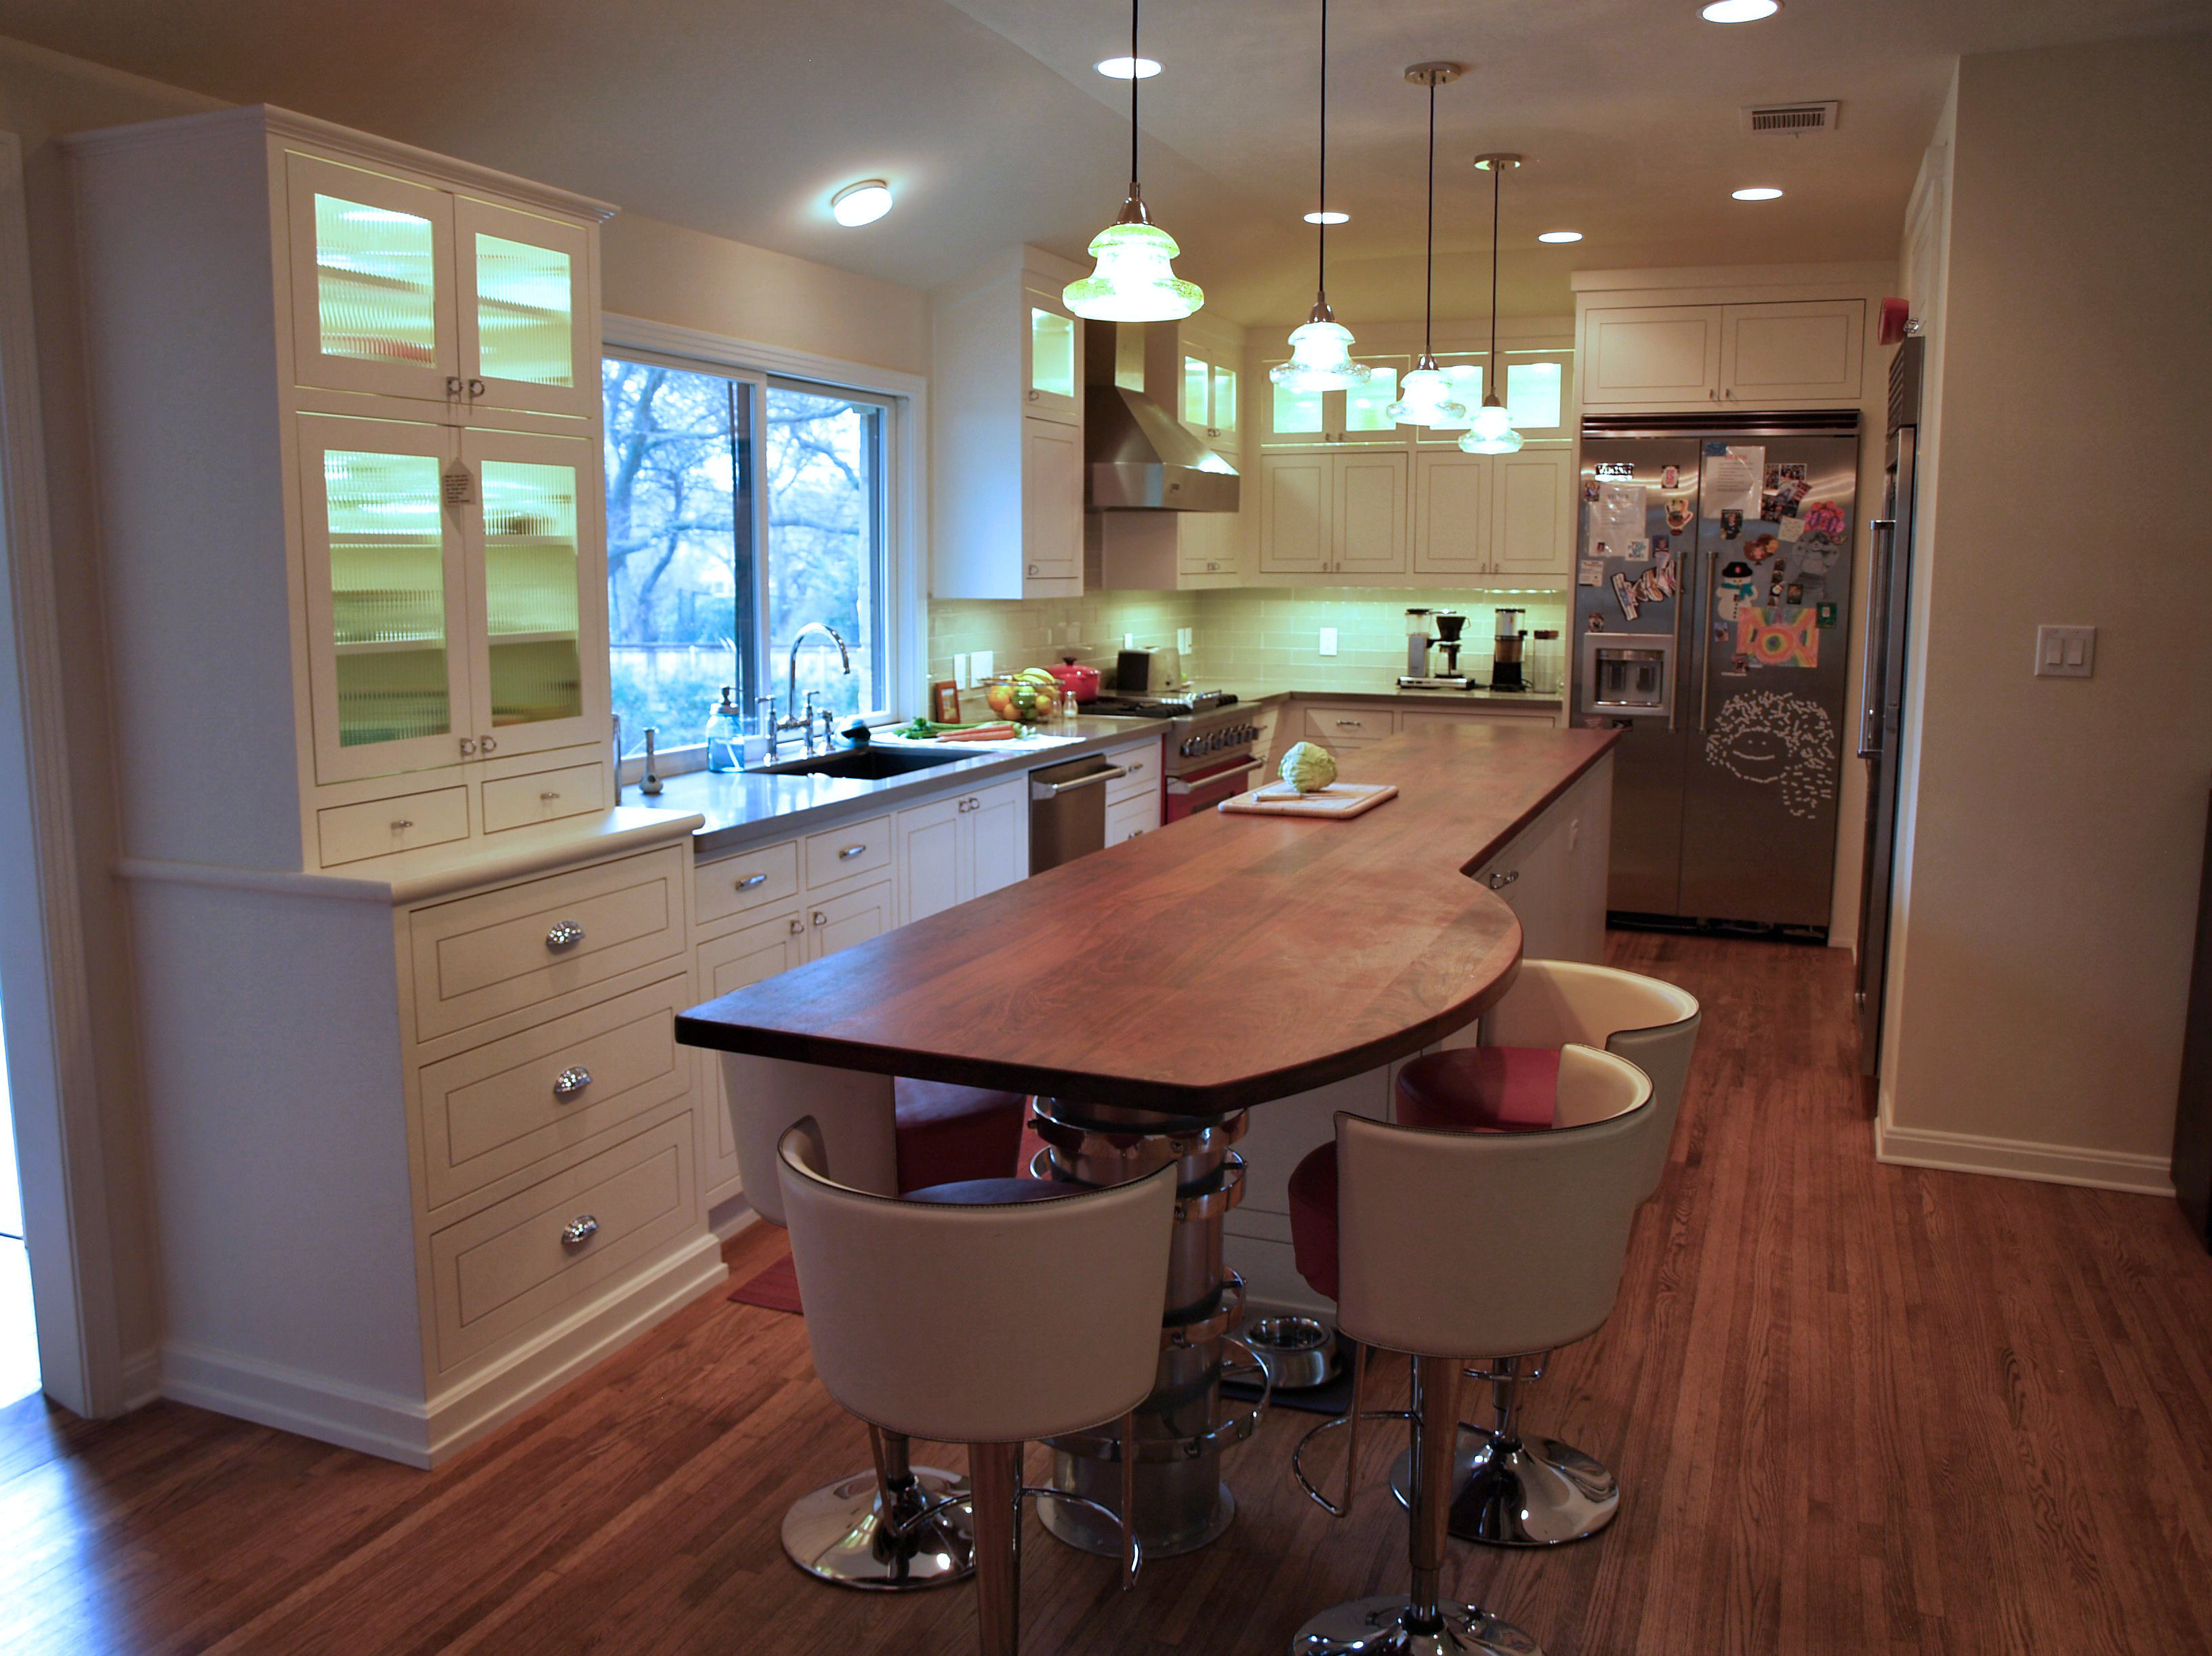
(863, 764)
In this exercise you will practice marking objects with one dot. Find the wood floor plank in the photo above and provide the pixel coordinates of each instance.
(1853, 1408)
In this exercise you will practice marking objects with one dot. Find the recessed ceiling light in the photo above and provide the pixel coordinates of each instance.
(1561, 235)
(1762, 192)
(1331, 217)
(1127, 69)
(1740, 11)
(861, 204)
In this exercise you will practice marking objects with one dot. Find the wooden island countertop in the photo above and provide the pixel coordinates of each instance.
(1220, 962)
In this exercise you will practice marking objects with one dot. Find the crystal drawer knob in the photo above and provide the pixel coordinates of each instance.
(571, 1081)
(566, 935)
(580, 1230)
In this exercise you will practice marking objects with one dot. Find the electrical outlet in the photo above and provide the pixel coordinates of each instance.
(1182, 640)
(979, 663)
(1128, 640)
(960, 672)
(2065, 652)
(1329, 640)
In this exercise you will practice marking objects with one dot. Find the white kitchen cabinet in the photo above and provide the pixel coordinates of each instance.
(1452, 514)
(851, 917)
(1006, 434)
(1360, 415)
(1369, 507)
(1207, 392)
(953, 850)
(737, 961)
(1335, 515)
(358, 429)
(1531, 518)
(1298, 523)
(1128, 818)
(1766, 355)
(1162, 551)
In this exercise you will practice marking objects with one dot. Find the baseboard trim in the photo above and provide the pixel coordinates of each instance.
(2017, 1158)
(142, 1377)
(420, 1434)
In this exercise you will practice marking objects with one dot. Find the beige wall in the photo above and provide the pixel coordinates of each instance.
(2058, 823)
(650, 270)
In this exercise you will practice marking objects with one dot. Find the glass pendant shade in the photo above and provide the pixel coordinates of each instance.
(1424, 398)
(1135, 281)
(1320, 359)
(1492, 431)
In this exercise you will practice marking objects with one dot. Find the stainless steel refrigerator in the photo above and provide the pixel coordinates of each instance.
(1882, 695)
(1713, 610)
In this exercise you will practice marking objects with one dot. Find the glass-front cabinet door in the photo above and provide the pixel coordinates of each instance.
(1052, 357)
(539, 584)
(525, 313)
(1206, 401)
(387, 602)
(371, 259)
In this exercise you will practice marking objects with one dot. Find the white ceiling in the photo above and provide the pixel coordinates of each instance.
(739, 117)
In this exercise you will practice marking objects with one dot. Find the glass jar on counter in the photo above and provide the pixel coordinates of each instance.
(1547, 660)
(726, 734)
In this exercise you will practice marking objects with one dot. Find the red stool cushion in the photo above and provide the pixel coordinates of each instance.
(1482, 1090)
(948, 1134)
(985, 1192)
(1313, 1219)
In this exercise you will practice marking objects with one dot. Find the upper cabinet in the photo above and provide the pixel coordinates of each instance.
(1052, 357)
(1772, 356)
(404, 289)
(371, 532)
(1207, 393)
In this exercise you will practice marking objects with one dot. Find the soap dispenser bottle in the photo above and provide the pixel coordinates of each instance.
(726, 737)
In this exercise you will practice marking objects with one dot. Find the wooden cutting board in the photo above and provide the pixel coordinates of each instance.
(1340, 800)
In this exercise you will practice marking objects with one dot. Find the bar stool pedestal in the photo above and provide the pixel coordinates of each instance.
(839, 1533)
(1512, 1491)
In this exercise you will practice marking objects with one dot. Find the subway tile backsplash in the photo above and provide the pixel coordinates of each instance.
(1238, 635)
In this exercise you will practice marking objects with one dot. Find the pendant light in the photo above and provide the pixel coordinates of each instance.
(1492, 431)
(1425, 395)
(1320, 347)
(1135, 281)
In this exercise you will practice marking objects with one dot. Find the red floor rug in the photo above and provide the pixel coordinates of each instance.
(775, 1287)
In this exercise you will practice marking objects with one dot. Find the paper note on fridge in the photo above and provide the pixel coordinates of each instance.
(1734, 473)
(1616, 517)
(1592, 572)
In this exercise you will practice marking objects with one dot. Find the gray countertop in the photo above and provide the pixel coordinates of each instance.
(1266, 690)
(742, 806)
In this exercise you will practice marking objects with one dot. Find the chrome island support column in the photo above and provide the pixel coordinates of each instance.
(1182, 1428)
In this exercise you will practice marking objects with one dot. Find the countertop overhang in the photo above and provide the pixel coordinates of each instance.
(1219, 963)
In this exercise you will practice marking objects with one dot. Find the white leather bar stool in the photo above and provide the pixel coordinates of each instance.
(1512, 1490)
(895, 1526)
(959, 1316)
(1449, 1243)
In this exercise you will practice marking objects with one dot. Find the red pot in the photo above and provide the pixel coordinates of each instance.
(1076, 679)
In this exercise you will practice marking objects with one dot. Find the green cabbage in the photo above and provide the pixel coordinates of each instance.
(1308, 768)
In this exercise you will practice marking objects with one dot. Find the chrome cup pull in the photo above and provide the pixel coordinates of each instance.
(565, 934)
(851, 851)
(571, 1081)
(580, 1230)
(751, 881)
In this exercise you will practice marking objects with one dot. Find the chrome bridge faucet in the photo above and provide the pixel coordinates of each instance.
(793, 719)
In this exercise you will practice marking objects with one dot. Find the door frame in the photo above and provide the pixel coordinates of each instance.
(45, 990)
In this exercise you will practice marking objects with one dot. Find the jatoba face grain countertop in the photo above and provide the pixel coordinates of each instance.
(1220, 962)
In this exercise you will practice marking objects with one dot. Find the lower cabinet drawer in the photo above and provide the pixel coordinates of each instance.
(544, 797)
(751, 879)
(497, 1108)
(498, 1271)
(840, 853)
(1128, 818)
(1422, 719)
(498, 951)
(346, 833)
(1143, 766)
(1328, 725)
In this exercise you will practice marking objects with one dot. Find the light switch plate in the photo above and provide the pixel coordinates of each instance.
(960, 672)
(1182, 640)
(1329, 640)
(979, 663)
(2065, 652)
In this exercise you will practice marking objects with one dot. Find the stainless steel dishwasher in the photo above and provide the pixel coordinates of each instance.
(1067, 810)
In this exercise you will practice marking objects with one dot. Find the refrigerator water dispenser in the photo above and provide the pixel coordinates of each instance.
(1628, 676)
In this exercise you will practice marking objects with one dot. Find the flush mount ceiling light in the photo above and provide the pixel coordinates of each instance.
(1127, 69)
(1135, 279)
(1561, 235)
(1491, 431)
(1762, 192)
(861, 204)
(1740, 11)
(1320, 347)
(1425, 395)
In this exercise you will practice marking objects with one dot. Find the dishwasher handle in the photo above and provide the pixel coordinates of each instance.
(1053, 790)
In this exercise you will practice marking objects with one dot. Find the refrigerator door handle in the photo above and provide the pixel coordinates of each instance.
(1871, 673)
(1706, 644)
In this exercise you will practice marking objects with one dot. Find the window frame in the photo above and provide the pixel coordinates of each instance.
(902, 502)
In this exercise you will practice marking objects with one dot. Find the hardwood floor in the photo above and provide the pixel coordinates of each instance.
(1853, 1408)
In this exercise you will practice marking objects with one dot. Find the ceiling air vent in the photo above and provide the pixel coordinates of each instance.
(1791, 120)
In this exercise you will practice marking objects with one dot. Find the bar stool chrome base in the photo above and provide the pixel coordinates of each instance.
(839, 1534)
(1373, 1627)
(1538, 1493)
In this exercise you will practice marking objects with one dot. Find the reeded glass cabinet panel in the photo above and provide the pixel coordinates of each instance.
(525, 310)
(372, 280)
(386, 607)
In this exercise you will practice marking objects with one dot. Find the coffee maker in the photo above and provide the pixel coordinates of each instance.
(1505, 653)
(1426, 629)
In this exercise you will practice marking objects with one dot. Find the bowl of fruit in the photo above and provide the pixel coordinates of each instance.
(1029, 697)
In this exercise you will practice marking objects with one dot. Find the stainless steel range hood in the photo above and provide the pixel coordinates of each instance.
(1140, 457)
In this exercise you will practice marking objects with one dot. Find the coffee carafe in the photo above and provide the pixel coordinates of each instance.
(1505, 653)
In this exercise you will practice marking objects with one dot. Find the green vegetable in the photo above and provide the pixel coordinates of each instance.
(1308, 768)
